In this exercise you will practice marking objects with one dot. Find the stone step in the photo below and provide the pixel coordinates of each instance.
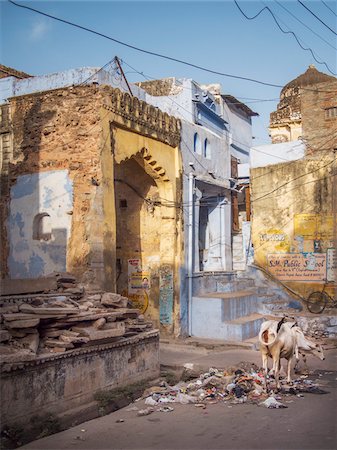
(245, 327)
(238, 265)
(236, 285)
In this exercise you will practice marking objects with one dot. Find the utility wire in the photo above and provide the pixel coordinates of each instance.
(320, 20)
(325, 4)
(159, 55)
(305, 25)
(284, 32)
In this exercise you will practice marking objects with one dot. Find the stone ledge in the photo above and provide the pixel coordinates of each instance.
(15, 366)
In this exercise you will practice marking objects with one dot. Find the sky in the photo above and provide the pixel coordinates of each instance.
(214, 35)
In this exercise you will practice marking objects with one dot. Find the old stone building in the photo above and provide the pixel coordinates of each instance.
(89, 177)
(294, 187)
(296, 103)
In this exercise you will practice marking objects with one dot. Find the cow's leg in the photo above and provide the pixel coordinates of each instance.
(276, 368)
(289, 369)
(265, 362)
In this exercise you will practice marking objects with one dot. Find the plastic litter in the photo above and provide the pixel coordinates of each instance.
(184, 399)
(271, 402)
(145, 412)
(165, 409)
(150, 401)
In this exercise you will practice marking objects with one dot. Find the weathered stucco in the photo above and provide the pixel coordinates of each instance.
(293, 221)
(89, 133)
(59, 384)
(33, 195)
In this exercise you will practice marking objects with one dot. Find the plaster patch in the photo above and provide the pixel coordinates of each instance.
(48, 193)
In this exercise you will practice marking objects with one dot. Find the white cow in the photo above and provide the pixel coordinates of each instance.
(305, 345)
(280, 339)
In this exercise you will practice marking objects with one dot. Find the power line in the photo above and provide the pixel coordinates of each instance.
(320, 20)
(325, 4)
(284, 32)
(305, 25)
(292, 180)
(159, 55)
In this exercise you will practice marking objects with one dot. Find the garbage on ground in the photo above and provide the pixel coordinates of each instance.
(271, 402)
(145, 412)
(165, 409)
(245, 383)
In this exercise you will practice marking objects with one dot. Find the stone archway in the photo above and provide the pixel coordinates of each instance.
(147, 238)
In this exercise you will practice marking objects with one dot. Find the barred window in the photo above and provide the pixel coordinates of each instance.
(331, 112)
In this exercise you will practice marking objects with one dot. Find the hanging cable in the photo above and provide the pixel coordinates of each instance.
(313, 14)
(284, 32)
(306, 26)
(159, 55)
(325, 4)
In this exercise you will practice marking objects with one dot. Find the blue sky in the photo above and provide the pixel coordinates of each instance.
(210, 34)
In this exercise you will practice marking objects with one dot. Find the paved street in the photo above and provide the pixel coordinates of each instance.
(309, 422)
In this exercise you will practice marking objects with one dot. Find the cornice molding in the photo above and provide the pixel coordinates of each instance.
(142, 118)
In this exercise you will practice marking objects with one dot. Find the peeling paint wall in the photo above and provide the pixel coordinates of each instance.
(292, 228)
(47, 193)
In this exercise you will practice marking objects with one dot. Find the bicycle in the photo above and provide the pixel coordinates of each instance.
(317, 301)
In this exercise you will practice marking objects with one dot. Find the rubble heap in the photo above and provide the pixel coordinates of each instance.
(45, 323)
(235, 385)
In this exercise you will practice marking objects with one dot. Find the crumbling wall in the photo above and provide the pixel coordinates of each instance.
(319, 117)
(56, 131)
(292, 227)
(64, 382)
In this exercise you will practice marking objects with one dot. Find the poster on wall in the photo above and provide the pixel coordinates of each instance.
(331, 264)
(138, 280)
(166, 295)
(298, 266)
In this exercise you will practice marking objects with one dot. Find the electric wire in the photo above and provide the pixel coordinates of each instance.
(159, 55)
(320, 20)
(325, 4)
(284, 32)
(304, 24)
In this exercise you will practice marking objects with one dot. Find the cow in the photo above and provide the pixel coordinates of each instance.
(277, 341)
(305, 345)
(281, 339)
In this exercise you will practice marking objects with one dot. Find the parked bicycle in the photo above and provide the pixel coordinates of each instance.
(317, 301)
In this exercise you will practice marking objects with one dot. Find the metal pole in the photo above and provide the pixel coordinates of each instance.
(123, 74)
(190, 248)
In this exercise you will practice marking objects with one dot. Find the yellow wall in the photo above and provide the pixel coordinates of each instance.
(146, 168)
(293, 221)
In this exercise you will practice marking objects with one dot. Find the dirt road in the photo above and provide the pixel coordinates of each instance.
(308, 422)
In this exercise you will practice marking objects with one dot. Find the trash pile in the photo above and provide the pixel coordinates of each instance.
(231, 386)
(46, 323)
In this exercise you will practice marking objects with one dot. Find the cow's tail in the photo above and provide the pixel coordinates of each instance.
(267, 336)
(269, 331)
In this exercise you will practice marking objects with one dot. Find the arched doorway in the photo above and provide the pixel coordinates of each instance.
(138, 234)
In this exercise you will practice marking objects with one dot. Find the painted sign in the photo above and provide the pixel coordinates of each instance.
(331, 264)
(138, 280)
(166, 294)
(298, 266)
(313, 226)
(275, 240)
(306, 225)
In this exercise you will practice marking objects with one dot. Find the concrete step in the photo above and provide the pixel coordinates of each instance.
(245, 327)
(236, 285)
(239, 265)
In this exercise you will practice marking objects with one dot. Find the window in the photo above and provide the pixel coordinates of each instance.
(207, 149)
(197, 144)
(331, 112)
(42, 227)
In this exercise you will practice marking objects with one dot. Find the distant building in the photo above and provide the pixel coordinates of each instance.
(91, 184)
(287, 122)
(293, 187)
(215, 136)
